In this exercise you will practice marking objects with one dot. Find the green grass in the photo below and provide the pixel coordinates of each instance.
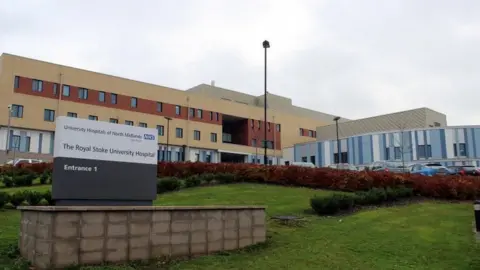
(430, 235)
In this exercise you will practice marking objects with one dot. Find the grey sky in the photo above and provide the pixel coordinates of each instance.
(350, 58)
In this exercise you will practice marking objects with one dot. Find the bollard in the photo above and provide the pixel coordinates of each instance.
(476, 207)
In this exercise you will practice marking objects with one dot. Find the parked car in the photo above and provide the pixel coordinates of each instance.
(465, 170)
(430, 169)
(19, 161)
(388, 166)
(343, 166)
(303, 164)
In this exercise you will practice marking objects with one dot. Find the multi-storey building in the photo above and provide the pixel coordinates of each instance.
(205, 123)
(419, 135)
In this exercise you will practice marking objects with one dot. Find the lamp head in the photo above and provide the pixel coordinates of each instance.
(336, 118)
(266, 44)
(9, 106)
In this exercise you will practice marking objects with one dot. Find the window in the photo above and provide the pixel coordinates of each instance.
(259, 124)
(128, 123)
(208, 158)
(270, 144)
(113, 98)
(304, 159)
(254, 142)
(213, 137)
(387, 153)
(197, 157)
(278, 127)
(141, 124)
(17, 111)
(16, 82)
(336, 159)
(429, 151)
(177, 110)
(49, 115)
(72, 114)
(133, 102)
(436, 124)
(397, 153)
(101, 96)
(462, 149)
(93, 117)
(55, 89)
(191, 112)
(301, 131)
(199, 113)
(160, 130)
(196, 135)
(252, 123)
(455, 150)
(37, 86)
(217, 116)
(310, 133)
(159, 106)
(113, 120)
(66, 91)
(82, 93)
(268, 126)
(179, 132)
(211, 116)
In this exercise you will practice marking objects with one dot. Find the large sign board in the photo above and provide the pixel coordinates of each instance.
(100, 163)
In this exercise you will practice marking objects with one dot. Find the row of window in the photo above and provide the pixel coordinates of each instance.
(259, 124)
(269, 144)
(37, 86)
(310, 133)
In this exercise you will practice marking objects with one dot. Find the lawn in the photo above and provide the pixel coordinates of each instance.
(431, 235)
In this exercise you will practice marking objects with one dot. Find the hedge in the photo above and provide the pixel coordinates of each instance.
(445, 187)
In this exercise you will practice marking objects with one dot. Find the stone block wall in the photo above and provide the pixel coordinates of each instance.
(57, 237)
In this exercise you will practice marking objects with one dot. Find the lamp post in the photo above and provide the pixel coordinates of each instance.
(266, 45)
(7, 146)
(338, 139)
(168, 136)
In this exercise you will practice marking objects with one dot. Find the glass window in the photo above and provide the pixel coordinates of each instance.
(208, 158)
(254, 142)
(93, 117)
(141, 124)
(217, 116)
(387, 153)
(179, 132)
(278, 127)
(462, 149)
(268, 126)
(310, 133)
(128, 123)
(16, 82)
(397, 153)
(101, 96)
(213, 137)
(191, 112)
(113, 98)
(160, 130)
(72, 114)
(55, 89)
(196, 135)
(17, 111)
(49, 115)
(199, 113)
(159, 106)
(66, 91)
(211, 116)
(301, 131)
(421, 150)
(113, 120)
(178, 110)
(252, 123)
(133, 102)
(37, 85)
(82, 93)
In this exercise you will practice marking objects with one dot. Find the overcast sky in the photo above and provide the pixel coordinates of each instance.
(356, 58)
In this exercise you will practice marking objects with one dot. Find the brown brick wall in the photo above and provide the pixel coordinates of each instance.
(55, 237)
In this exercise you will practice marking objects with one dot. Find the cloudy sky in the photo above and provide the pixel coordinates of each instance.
(355, 58)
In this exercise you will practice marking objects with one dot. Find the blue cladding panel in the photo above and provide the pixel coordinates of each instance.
(295, 157)
(416, 143)
(360, 149)
(382, 146)
(40, 142)
(442, 143)
(320, 160)
(391, 148)
(351, 156)
(367, 149)
(52, 139)
(371, 147)
(331, 151)
(408, 150)
(476, 141)
(469, 142)
(356, 152)
(435, 142)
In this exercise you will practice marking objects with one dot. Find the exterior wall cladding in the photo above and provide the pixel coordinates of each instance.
(447, 145)
(40, 91)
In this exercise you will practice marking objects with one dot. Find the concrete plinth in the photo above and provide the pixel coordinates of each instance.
(61, 236)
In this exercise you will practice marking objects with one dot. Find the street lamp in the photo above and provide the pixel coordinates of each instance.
(168, 136)
(7, 148)
(266, 45)
(338, 139)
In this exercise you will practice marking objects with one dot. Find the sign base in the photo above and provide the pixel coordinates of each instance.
(103, 203)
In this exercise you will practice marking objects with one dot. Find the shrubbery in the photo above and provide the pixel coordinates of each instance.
(332, 204)
(445, 187)
(25, 197)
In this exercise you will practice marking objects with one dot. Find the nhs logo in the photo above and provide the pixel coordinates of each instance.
(148, 137)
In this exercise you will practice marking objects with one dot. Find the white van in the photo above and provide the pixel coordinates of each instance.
(303, 164)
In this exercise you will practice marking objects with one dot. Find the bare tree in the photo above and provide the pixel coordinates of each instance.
(403, 142)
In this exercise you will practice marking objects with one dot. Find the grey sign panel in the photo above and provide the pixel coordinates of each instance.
(99, 163)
